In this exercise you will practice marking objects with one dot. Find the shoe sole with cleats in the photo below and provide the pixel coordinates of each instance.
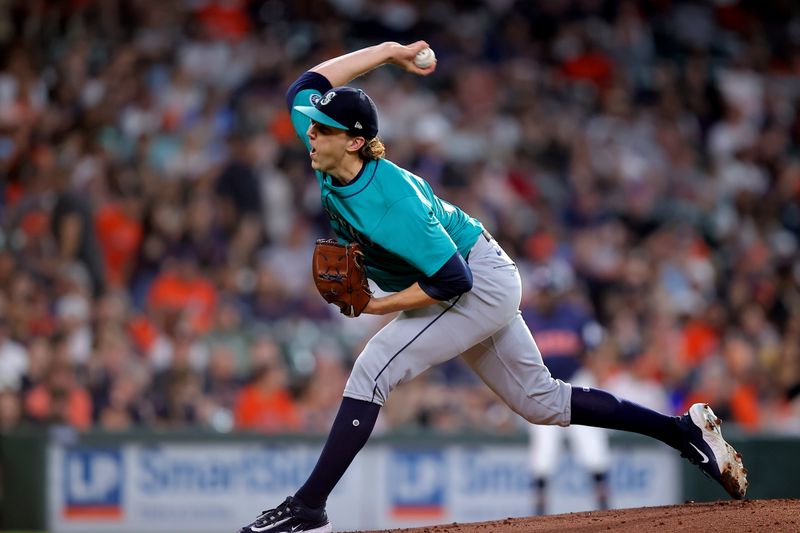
(732, 473)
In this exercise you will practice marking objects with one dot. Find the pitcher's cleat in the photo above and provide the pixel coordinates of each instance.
(706, 448)
(292, 516)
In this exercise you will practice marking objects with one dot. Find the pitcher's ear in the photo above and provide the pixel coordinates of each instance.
(354, 144)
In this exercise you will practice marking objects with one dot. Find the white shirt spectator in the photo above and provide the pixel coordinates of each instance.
(13, 364)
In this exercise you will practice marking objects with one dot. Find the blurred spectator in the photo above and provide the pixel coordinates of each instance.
(230, 336)
(176, 391)
(240, 208)
(123, 408)
(40, 357)
(73, 227)
(270, 299)
(322, 393)
(637, 377)
(203, 234)
(181, 293)
(265, 404)
(116, 381)
(59, 399)
(73, 321)
(119, 232)
(10, 410)
(14, 360)
(729, 383)
(220, 387)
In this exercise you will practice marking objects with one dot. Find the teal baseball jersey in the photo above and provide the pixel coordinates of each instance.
(406, 231)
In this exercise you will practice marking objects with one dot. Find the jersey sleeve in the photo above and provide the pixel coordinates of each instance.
(411, 230)
(300, 93)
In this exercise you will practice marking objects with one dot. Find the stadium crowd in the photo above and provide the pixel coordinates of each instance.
(157, 214)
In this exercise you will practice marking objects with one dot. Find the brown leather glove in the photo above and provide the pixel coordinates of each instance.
(340, 276)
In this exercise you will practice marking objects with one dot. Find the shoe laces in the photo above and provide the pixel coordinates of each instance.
(271, 515)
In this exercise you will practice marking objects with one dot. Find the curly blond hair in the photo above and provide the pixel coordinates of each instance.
(373, 149)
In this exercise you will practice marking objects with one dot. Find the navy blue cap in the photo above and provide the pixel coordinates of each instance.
(345, 108)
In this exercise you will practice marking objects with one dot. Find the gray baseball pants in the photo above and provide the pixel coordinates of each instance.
(485, 327)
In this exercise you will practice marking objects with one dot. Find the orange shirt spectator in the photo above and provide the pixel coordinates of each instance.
(281, 127)
(181, 290)
(225, 19)
(265, 405)
(142, 332)
(699, 339)
(742, 405)
(119, 234)
(59, 399)
(591, 66)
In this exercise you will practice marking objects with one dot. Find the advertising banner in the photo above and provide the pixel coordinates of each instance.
(213, 487)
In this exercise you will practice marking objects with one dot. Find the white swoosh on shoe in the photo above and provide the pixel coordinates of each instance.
(276, 524)
(704, 456)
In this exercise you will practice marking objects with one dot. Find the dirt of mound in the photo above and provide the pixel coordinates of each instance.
(756, 516)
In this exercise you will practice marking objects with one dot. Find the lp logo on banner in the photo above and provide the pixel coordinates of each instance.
(93, 483)
(418, 484)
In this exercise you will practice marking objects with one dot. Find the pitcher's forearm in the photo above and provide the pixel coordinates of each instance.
(411, 298)
(343, 69)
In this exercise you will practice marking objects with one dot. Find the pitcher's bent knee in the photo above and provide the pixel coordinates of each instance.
(547, 406)
(368, 384)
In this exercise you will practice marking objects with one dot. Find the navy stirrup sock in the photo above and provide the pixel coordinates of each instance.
(598, 408)
(351, 430)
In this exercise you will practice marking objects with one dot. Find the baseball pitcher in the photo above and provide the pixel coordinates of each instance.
(457, 291)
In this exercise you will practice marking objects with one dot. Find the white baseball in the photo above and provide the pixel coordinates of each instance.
(425, 58)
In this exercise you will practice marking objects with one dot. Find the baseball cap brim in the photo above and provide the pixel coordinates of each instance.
(318, 116)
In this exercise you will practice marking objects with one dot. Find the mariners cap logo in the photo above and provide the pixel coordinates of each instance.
(314, 98)
(327, 98)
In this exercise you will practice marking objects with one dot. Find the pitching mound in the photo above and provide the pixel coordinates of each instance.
(756, 516)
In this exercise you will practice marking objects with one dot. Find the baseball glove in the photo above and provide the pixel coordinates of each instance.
(340, 277)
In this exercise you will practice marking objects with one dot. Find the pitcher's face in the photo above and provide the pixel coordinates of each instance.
(328, 147)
